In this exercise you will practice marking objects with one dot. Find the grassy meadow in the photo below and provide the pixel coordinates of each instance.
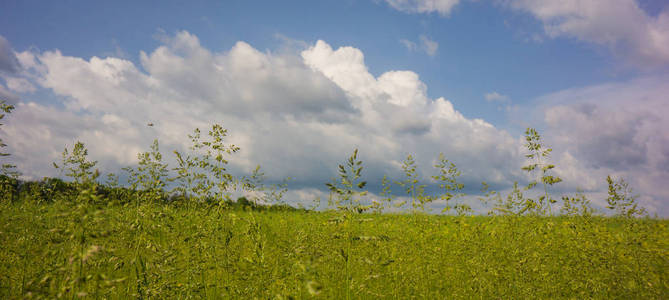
(66, 250)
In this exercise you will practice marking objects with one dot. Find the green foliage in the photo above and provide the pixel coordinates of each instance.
(49, 190)
(80, 169)
(71, 250)
(255, 182)
(489, 196)
(112, 181)
(6, 169)
(8, 172)
(578, 205)
(622, 200)
(203, 174)
(448, 182)
(8, 188)
(412, 186)
(539, 153)
(114, 192)
(386, 195)
(184, 175)
(260, 193)
(151, 175)
(77, 166)
(515, 202)
(274, 194)
(347, 192)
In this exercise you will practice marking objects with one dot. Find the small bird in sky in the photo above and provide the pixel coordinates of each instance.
(150, 124)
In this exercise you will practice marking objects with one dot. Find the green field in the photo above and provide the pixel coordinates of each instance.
(66, 250)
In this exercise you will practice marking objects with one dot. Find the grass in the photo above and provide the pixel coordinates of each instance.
(67, 250)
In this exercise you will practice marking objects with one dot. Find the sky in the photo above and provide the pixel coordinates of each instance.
(300, 84)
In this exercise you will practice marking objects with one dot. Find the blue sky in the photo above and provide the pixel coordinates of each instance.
(569, 69)
(482, 48)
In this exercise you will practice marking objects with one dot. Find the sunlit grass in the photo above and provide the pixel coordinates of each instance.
(204, 252)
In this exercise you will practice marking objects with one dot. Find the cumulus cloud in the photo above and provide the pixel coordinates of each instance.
(300, 114)
(296, 114)
(619, 24)
(443, 7)
(618, 129)
(19, 85)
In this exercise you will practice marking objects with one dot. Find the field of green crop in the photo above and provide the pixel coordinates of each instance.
(70, 250)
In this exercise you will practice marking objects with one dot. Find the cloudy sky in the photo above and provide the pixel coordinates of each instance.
(300, 84)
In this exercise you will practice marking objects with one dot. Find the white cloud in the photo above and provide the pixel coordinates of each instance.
(426, 45)
(619, 24)
(496, 97)
(296, 114)
(301, 114)
(19, 85)
(9, 69)
(443, 7)
(618, 129)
